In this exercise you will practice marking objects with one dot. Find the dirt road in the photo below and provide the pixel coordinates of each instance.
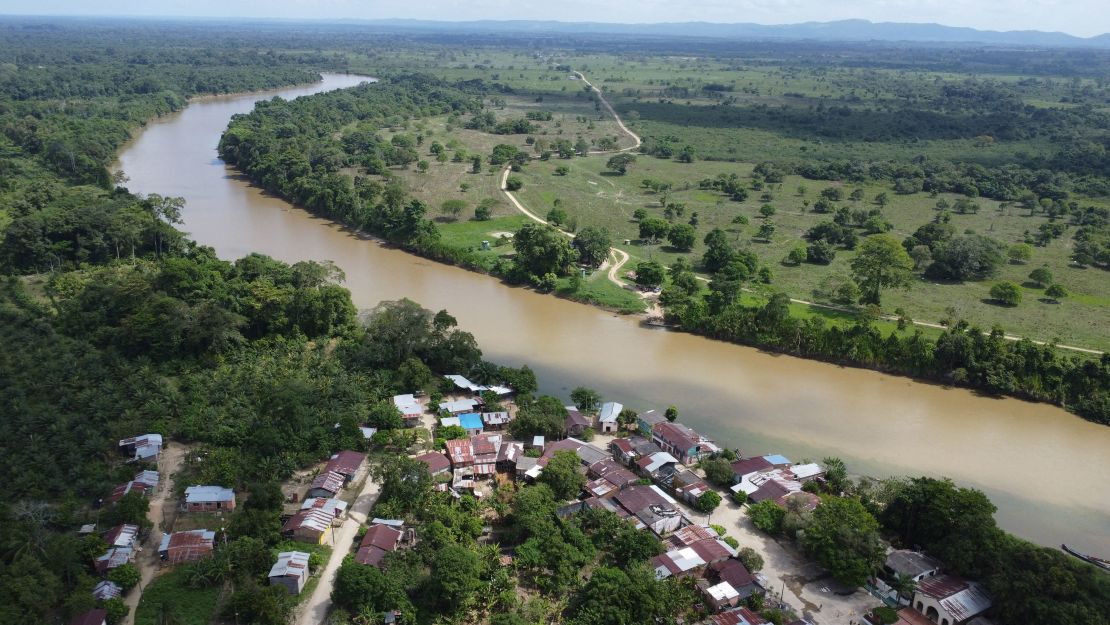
(605, 103)
(315, 610)
(147, 560)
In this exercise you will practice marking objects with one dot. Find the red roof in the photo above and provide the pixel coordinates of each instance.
(482, 445)
(691, 534)
(771, 489)
(129, 487)
(677, 435)
(751, 465)
(376, 543)
(346, 463)
(436, 462)
(461, 452)
(639, 497)
(624, 445)
(92, 617)
(711, 550)
(732, 571)
(331, 481)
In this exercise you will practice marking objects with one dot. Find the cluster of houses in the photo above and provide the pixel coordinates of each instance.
(937, 598)
(773, 477)
(321, 510)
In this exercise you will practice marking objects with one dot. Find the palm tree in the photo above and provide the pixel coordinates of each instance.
(903, 584)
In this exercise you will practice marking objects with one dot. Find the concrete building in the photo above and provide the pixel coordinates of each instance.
(186, 546)
(950, 600)
(209, 499)
(607, 418)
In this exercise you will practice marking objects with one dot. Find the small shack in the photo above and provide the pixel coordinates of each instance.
(290, 571)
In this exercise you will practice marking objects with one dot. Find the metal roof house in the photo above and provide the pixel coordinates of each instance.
(105, 590)
(409, 407)
(437, 462)
(459, 406)
(150, 478)
(326, 484)
(336, 507)
(290, 571)
(912, 564)
(471, 422)
(92, 617)
(209, 499)
(346, 463)
(679, 562)
(115, 556)
(310, 526)
(122, 536)
(378, 541)
(646, 421)
(186, 546)
(125, 488)
(142, 447)
(607, 417)
(950, 600)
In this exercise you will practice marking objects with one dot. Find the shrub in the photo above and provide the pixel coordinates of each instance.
(514, 183)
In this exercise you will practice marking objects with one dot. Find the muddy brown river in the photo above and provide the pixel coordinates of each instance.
(1047, 471)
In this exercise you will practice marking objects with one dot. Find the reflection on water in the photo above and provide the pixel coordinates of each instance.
(1048, 471)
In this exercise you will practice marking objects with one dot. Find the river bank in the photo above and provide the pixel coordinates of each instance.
(1017, 452)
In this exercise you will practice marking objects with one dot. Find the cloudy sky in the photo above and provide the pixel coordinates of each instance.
(1078, 17)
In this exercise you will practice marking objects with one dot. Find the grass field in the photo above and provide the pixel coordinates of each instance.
(595, 196)
(167, 599)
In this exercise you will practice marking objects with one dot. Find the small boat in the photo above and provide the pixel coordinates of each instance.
(1099, 562)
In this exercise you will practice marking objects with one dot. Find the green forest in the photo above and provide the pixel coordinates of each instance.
(116, 323)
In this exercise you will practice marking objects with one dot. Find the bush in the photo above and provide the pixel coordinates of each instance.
(767, 516)
(514, 183)
(885, 615)
(1006, 293)
(730, 541)
(117, 610)
(740, 497)
(126, 575)
(750, 559)
(707, 502)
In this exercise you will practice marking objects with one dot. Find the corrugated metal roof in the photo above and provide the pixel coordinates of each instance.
(910, 563)
(722, 592)
(208, 494)
(345, 462)
(436, 461)
(960, 598)
(460, 451)
(471, 421)
(290, 564)
(408, 405)
(92, 617)
(105, 590)
(335, 507)
(313, 519)
(806, 471)
(459, 405)
(115, 556)
(495, 418)
(329, 480)
(150, 478)
(610, 410)
(122, 536)
(777, 459)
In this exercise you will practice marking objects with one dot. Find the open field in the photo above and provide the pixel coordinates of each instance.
(169, 600)
(595, 196)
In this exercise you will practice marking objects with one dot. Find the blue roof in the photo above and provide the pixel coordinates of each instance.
(777, 459)
(471, 421)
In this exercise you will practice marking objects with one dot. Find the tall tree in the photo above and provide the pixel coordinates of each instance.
(881, 263)
(844, 538)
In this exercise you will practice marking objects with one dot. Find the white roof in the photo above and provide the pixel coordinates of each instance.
(610, 410)
(537, 441)
(664, 495)
(684, 559)
(803, 471)
(459, 405)
(332, 505)
(407, 404)
(722, 592)
(659, 459)
(390, 522)
(462, 382)
(753, 481)
(290, 563)
(368, 433)
(449, 421)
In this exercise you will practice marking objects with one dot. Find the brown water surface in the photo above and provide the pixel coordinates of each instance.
(1048, 471)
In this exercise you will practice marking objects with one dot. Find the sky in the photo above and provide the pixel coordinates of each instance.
(1077, 17)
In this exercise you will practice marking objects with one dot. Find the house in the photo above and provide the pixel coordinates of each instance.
(128, 487)
(528, 468)
(713, 550)
(149, 478)
(209, 499)
(508, 455)
(737, 575)
(719, 596)
(105, 590)
(778, 461)
(326, 485)
(677, 562)
(688, 486)
(689, 535)
(461, 453)
(438, 464)
(410, 409)
(913, 564)
(774, 489)
(950, 600)
(186, 546)
(459, 406)
(607, 418)
(115, 556)
(613, 473)
(495, 420)
(471, 422)
(336, 507)
(652, 507)
(310, 526)
(739, 616)
(144, 447)
(462, 383)
(446, 422)
(376, 543)
(622, 451)
(484, 447)
(576, 423)
(745, 468)
(290, 571)
(92, 617)
(122, 536)
(806, 472)
(646, 421)
(346, 463)
(658, 465)
(681, 441)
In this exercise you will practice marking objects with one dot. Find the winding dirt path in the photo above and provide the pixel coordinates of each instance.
(608, 107)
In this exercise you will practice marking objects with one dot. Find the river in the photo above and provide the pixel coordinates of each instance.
(1047, 471)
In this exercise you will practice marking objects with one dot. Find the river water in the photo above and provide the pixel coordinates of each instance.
(1046, 470)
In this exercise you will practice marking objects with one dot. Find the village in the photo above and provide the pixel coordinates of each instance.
(646, 468)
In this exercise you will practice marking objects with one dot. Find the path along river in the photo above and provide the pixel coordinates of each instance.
(1048, 471)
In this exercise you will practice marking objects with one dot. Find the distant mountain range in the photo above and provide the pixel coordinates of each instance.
(845, 30)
